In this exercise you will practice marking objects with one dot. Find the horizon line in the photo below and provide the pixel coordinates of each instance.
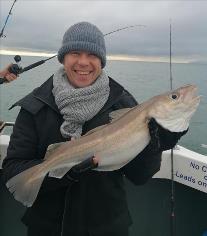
(115, 57)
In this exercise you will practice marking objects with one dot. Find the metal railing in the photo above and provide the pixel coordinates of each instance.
(5, 124)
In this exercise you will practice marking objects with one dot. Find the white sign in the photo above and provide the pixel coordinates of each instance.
(190, 168)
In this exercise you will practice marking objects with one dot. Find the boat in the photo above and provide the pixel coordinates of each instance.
(150, 204)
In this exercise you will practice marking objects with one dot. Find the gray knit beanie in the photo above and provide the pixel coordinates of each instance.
(83, 36)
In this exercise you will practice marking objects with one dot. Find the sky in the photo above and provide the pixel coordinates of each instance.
(39, 26)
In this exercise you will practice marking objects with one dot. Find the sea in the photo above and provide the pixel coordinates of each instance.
(142, 79)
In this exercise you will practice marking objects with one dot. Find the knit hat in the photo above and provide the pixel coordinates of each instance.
(83, 36)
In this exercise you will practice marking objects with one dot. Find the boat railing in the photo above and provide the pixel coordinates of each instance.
(4, 140)
(4, 125)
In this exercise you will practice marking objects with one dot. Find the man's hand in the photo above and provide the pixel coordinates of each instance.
(75, 172)
(162, 139)
(8, 75)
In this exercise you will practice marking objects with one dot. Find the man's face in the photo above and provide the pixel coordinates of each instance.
(82, 68)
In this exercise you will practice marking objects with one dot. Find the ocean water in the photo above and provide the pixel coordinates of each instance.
(142, 79)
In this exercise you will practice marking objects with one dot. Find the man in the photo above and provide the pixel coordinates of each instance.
(76, 99)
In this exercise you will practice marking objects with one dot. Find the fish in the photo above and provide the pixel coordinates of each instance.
(115, 144)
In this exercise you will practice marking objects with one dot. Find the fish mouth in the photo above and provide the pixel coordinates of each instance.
(190, 99)
(189, 94)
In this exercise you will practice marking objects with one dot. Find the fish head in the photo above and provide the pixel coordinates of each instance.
(173, 110)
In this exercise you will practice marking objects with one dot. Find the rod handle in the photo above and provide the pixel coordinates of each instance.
(2, 80)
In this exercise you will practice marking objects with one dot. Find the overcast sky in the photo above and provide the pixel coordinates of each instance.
(40, 25)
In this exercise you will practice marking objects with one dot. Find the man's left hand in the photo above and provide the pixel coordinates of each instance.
(161, 138)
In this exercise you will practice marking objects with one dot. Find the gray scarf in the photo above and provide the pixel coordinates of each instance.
(78, 105)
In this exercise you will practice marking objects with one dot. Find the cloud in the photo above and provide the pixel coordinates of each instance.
(40, 25)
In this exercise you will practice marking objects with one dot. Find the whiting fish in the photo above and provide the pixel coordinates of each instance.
(116, 143)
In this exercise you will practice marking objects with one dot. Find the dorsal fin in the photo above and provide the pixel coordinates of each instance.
(115, 115)
(95, 129)
(51, 148)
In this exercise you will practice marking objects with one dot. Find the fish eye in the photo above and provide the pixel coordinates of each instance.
(174, 96)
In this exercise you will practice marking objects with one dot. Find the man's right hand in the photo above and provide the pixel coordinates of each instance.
(7, 75)
(84, 166)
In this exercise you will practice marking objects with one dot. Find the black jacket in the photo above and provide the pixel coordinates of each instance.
(98, 200)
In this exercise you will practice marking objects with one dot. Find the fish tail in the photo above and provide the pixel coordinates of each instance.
(26, 185)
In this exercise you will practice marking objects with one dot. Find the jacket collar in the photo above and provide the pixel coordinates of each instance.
(45, 95)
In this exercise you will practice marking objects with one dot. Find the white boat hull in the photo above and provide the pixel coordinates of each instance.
(190, 168)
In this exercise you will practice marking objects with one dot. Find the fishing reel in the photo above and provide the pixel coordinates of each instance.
(16, 68)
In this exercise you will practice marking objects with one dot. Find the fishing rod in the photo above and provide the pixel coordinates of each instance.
(127, 27)
(172, 197)
(16, 69)
(10, 13)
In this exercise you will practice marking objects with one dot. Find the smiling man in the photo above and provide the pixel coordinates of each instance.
(81, 79)
(77, 98)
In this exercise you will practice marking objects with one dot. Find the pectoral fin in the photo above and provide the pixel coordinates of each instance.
(59, 173)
